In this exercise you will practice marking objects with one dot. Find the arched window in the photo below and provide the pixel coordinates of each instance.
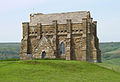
(62, 48)
(43, 54)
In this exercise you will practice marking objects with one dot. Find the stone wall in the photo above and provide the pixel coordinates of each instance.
(80, 40)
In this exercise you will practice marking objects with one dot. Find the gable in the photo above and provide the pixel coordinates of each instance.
(43, 45)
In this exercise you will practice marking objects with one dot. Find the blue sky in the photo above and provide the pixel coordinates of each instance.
(14, 12)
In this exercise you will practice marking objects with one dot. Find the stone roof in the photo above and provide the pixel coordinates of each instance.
(46, 19)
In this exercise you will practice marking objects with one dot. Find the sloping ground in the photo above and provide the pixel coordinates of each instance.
(110, 55)
(55, 71)
(113, 64)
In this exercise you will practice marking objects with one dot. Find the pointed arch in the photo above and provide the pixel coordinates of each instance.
(43, 54)
(62, 48)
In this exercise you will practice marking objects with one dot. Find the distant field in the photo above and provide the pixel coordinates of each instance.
(9, 50)
(55, 71)
(110, 55)
(110, 50)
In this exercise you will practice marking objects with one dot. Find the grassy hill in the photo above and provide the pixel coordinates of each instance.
(55, 71)
(60, 70)
(110, 53)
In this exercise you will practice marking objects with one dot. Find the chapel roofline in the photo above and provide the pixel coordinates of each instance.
(32, 14)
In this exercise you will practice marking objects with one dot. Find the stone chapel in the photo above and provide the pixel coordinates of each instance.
(69, 35)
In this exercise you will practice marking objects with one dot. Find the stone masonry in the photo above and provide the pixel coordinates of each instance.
(70, 35)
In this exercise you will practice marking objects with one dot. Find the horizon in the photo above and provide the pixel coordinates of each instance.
(14, 12)
(20, 42)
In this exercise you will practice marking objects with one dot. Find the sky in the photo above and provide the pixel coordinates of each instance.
(14, 12)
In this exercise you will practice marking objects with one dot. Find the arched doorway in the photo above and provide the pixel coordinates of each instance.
(43, 54)
(62, 48)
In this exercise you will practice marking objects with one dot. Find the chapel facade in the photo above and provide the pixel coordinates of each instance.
(70, 35)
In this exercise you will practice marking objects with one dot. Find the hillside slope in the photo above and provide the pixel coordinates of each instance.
(9, 50)
(110, 53)
(110, 50)
(55, 71)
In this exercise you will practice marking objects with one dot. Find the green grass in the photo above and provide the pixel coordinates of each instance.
(59, 70)
(11, 59)
(113, 64)
(55, 71)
